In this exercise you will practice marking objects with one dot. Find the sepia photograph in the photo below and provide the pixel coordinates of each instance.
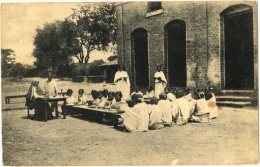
(129, 83)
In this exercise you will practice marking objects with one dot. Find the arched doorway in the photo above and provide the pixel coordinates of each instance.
(237, 47)
(175, 51)
(140, 67)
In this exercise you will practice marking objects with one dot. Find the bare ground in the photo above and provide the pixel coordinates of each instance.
(230, 139)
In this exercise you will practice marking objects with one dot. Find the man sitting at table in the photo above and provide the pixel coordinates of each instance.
(34, 92)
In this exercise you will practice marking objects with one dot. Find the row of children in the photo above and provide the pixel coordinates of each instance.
(178, 107)
(99, 99)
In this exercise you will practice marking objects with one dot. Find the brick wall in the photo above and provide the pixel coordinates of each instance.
(203, 37)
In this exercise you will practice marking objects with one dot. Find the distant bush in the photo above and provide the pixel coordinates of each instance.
(86, 69)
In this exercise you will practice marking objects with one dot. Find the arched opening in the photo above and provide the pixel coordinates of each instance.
(237, 47)
(140, 69)
(175, 51)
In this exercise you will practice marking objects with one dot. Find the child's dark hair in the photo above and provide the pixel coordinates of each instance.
(110, 96)
(69, 91)
(105, 92)
(81, 90)
(162, 96)
(153, 100)
(119, 93)
(138, 98)
(94, 94)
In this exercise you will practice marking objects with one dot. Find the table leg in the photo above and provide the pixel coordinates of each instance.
(56, 111)
(45, 112)
(115, 120)
(64, 110)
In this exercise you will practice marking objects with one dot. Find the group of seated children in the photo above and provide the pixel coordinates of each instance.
(176, 107)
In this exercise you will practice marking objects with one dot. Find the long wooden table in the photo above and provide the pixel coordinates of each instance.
(115, 114)
(46, 100)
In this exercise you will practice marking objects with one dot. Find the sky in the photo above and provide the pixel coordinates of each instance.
(20, 20)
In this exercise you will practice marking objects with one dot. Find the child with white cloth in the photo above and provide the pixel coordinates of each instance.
(141, 109)
(166, 107)
(155, 115)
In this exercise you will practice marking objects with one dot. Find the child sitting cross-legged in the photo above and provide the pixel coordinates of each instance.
(166, 107)
(155, 115)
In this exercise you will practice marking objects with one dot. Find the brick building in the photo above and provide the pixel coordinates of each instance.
(198, 43)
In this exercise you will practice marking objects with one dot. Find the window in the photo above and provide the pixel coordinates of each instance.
(152, 6)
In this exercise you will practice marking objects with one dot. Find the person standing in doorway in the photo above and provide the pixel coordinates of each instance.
(122, 82)
(160, 82)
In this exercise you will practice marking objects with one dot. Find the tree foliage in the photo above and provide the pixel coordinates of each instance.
(96, 28)
(7, 60)
(9, 67)
(92, 27)
(54, 46)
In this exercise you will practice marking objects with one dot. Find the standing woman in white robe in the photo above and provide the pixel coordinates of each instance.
(160, 82)
(122, 82)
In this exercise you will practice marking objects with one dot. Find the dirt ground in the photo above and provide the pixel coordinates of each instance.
(230, 139)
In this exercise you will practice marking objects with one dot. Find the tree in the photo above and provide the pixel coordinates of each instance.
(55, 45)
(96, 28)
(112, 58)
(7, 60)
(17, 70)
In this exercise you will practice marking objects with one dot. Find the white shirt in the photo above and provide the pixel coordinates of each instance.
(50, 88)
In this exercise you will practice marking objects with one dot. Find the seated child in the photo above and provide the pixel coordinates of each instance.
(103, 101)
(166, 107)
(200, 109)
(211, 102)
(169, 95)
(149, 93)
(141, 108)
(155, 115)
(95, 95)
(82, 99)
(110, 98)
(119, 104)
(186, 106)
(133, 101)
(70, 100)
(136, 91)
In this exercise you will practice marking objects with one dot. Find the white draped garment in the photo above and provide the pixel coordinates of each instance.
(122, 85)
(159, 85)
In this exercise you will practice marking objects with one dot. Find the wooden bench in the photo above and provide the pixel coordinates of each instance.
(7, 98)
